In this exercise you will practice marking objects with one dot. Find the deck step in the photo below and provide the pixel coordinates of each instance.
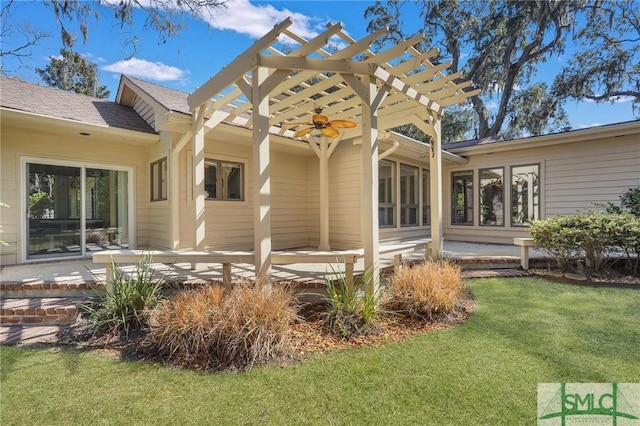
(38, 311)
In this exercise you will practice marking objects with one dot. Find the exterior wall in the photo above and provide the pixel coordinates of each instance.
(344, 198)
(229, 224)
(572, 177)
(33, 142)
(158, 221)
(145, 111)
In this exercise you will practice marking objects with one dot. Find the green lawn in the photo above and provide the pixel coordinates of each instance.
(485, 371)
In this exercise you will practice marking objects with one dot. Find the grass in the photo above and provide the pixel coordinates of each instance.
(485, 371)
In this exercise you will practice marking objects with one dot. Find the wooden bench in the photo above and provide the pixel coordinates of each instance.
(226, 258)
(524, 244)
(279, 257)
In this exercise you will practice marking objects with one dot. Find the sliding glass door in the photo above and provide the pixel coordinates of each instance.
(75, 210)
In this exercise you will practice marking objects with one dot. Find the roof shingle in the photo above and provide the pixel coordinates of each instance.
(22, 96)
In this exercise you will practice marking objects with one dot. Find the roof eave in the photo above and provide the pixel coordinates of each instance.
(64, 124)
(592, 133)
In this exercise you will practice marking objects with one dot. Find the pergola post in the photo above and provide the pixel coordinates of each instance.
(324, 194)
(435, 178)
(198, 178)
(261, 177)
(369, 208)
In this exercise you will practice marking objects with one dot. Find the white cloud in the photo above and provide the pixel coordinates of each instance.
(622, 99)
(149, 70)
(586, 126)
(492, 105)
(256, 20)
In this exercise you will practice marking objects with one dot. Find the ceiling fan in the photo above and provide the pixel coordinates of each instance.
(322, 123)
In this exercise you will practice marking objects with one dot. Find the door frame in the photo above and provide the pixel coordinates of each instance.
(83, 165)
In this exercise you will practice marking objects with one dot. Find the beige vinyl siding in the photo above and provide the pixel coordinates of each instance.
(158, 221)
(145, 111)
(344, 197)
(229, 224)
(572, 177)
(18, 142)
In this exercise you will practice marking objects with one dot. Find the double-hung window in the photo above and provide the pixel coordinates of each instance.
(386, 193)
(223, 180)
(408, 195)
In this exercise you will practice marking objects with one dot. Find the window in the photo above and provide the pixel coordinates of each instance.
(426, 198)
(462, 198)
(491, 196)
(159, 180)
(525, 194)
(386, 193)
(223, 180)
(408, 195)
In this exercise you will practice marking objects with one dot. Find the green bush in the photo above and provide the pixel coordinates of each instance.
(596, 236)
(351, 309)
(426, 290)
(249, 325)
(126, 305)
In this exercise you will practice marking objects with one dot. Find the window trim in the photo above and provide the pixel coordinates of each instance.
(163, 187)
(392, 186)
(218, 162)
(539, 207)
(480, 197)
(425, 204)
(416, 196)
(453, 204)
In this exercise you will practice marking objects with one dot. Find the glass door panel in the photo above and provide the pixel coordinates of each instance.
(105, 200)
(53, 211)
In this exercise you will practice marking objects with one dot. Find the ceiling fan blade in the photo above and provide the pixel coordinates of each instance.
(317, 118)
(342, 124)
(330, 132)
(303, 132)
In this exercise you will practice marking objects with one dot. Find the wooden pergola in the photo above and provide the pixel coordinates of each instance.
(265, 89)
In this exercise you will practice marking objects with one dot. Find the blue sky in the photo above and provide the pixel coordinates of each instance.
(186, 61)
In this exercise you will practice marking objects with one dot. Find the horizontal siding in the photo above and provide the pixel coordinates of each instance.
(145, 111)
(573, 177)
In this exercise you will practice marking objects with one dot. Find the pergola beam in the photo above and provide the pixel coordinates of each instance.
(239, 66)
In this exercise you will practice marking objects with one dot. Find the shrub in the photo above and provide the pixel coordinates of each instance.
(594, 235)
(351, 309)
(426, 290)
(249, 325)
(127, 304)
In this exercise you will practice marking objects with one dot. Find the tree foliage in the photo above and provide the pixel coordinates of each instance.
(505, 43)
(73, 72)
(74, 17)
(17, 40)
(606, 67)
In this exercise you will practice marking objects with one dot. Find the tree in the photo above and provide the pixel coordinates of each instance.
(73, 72)
(606, 66)
(166, 17)
(505, 41)
(18, 43)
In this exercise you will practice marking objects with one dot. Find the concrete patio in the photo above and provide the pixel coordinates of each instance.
(83, 271)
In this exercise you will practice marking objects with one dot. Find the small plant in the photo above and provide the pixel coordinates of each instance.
(126, 305)
(351, 309)
(426, 290)
(249, 325)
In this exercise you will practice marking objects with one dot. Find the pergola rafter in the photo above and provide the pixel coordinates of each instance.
(267, 90)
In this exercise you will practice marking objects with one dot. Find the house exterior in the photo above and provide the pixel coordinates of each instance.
(220, 169)
(125, 146)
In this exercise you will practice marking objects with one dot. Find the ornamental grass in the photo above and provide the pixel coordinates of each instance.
(426, 290)
(239, 328)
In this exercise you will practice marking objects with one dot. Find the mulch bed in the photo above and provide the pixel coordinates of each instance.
(307, 337)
